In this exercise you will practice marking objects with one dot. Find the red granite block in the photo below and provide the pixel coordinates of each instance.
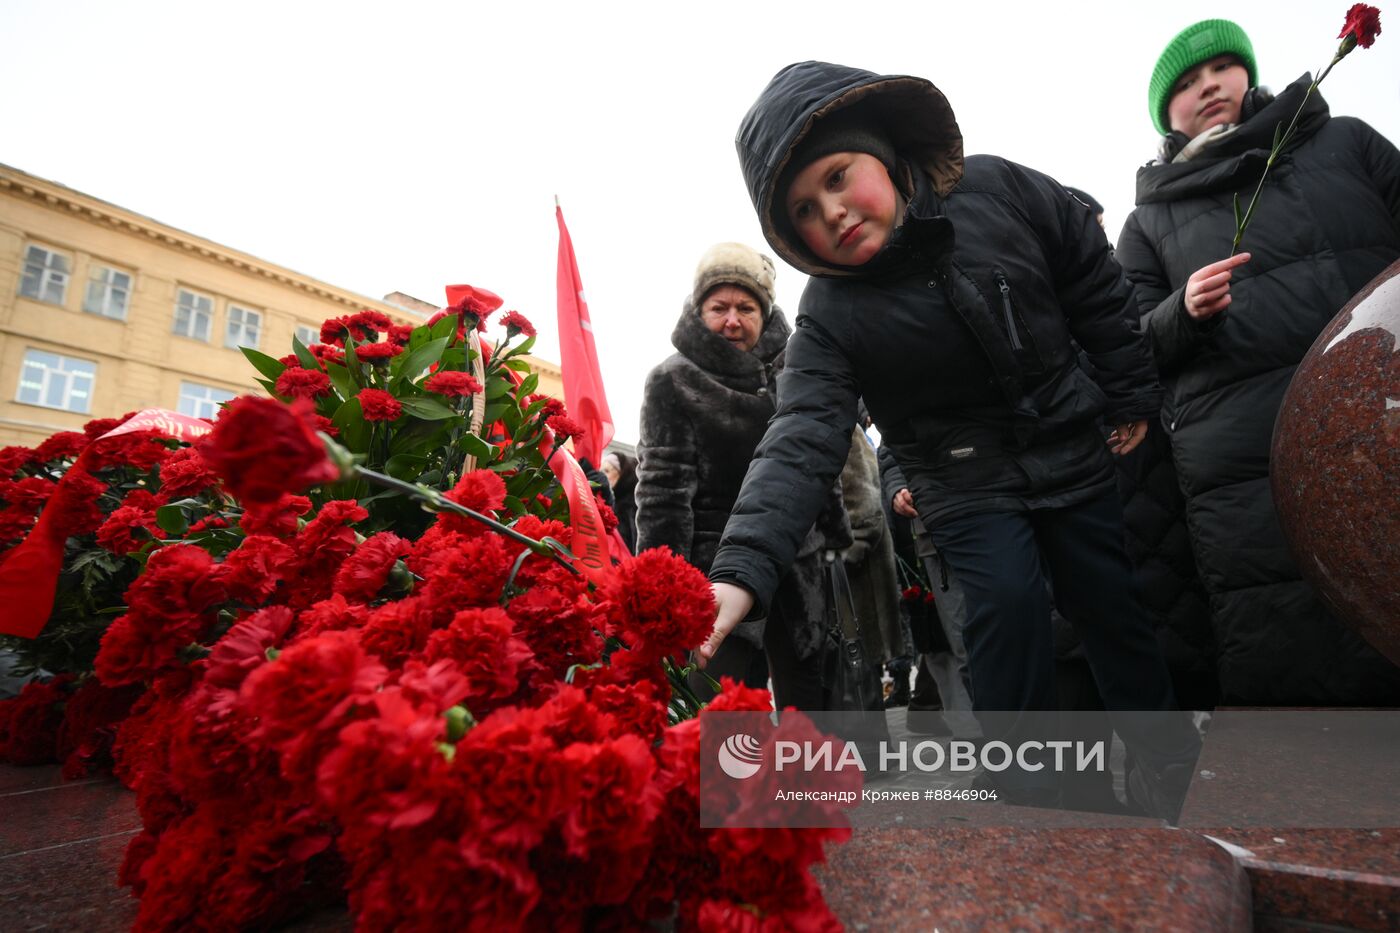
(46, 817)
(995, 879)
(69, 886)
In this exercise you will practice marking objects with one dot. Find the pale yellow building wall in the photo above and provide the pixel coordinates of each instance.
(141, 361)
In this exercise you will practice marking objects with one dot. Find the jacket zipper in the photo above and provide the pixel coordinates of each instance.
(1005, 288)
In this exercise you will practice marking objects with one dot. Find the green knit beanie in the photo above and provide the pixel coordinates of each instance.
(1193, 45)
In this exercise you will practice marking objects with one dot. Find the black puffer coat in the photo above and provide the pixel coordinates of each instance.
(703, 412)
(957, 334)
(1327, 222)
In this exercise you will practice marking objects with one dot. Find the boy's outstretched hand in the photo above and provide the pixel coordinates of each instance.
(1208, 289)
(732, 603)
(1127, 436)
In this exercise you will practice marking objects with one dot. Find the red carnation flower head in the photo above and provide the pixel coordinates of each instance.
(517, 323)
(334, 331)
(481, 491)
(565, 427)
(263, 448)
(291, 361)
(659, 603)
(185, 473)
(310, 682)
(471, 302)
(303, 383)
(129, 529)
(400, 333)
(65, 445)
(1363, 22)
(368, 325)
(378, 405)
(327, 353)
(452, 383)
(378, 354)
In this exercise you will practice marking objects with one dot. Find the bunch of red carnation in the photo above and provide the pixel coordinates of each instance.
(432, 728)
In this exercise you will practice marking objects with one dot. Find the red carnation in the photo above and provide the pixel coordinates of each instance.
(129, 529)
(1363, 22)
(264, 448)
(565, 427)
(185, 473)
(471, 302)
(366, 571)
(480, 490)
(308, 684)
(377, 352)
(378, 405)
(279, 518)
(64, 445)
(517, 323)
(452, 383)
(303, 383)
(484, 647)
(660, 604)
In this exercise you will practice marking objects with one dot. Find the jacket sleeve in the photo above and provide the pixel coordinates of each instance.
(891, 477)
(1174, 336)
(794, 467)
(1383, 165)
(666, 469)
(1098, 303)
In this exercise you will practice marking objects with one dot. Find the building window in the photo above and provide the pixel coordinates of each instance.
(201, 401)
(193, 314)
(308, 335)
(45, 276)
(243, 327)
(55, 381)
(108, 292)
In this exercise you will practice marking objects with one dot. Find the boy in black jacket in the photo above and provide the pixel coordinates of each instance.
(945, 292)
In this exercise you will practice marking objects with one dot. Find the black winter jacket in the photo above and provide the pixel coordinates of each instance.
(703, 412)
(1327, 222)
(957, 334)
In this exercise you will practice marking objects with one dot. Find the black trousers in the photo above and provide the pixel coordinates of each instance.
(1003, 560)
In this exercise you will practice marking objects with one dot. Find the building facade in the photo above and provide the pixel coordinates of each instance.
(105, 311)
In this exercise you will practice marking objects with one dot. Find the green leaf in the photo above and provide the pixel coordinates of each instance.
(405, 466)
(428, 409)
(455, 358)
(1278, 133)
(515, 505)
(307, 358)
(495, 410)
(478, 448)
(415, 363)
(263, 363)
(497, 387)
(354, 431)
(520, 366)
(352, 362)
(1237, 210)
(446, 327)
(269, 385)
(341, 380)
(524, 346)
(172, 520)
(419, 437)
(529, 384)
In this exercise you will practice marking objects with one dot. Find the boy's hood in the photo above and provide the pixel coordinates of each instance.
(914, 113)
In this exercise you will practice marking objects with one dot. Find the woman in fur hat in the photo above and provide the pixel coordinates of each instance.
(704, 410)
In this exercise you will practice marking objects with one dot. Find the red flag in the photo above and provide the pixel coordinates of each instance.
(583, 380)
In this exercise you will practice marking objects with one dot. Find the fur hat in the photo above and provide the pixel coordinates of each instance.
(735, 264)
(1195, 44)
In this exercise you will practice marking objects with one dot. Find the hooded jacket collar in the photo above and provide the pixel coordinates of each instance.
(1240, 157)
(913, 112)
(717, 356)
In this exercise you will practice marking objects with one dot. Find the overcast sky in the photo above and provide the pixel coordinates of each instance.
(405, 146)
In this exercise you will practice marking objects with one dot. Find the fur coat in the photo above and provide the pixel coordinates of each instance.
(704, 410)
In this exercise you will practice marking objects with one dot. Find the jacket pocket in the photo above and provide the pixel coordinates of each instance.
(1022, 341)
